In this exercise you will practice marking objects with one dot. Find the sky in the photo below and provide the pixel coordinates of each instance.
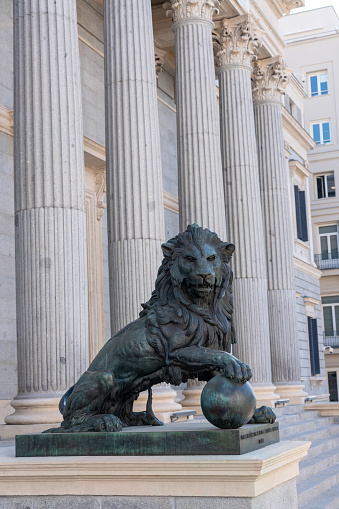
(314, 4)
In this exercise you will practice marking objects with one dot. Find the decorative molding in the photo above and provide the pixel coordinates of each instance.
(171, 202)
(100, 191)
(307, 268)
(237, 41)
(293, 4)
(310, 305)
(90, 45)
(183, 9)
(297, 168)
(94, 149)
(270, 78)
(159, 55)
(296, 130)
(6, 121)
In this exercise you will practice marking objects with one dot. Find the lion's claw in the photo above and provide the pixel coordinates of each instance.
(263, 415)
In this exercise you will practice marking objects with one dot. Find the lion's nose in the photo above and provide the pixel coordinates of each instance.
(203, 274)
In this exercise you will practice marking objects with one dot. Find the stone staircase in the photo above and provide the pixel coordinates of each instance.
(318, 481)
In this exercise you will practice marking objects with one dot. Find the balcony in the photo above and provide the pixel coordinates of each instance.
(326, 261)
(331, 338)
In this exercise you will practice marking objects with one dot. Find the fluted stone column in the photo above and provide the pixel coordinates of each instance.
(269, 80)
(235, 49)
(52, 315)
(134, 176)
(201, 196)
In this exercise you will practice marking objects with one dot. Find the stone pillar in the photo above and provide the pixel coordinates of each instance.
(269, 80)
(134, 177)
(51, 278)
(201, 195)
(235, 49)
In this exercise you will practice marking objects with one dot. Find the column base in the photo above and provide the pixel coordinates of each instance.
(293, 391)
(163, 402)
(265, 394)
(35, 411)
(192, 395)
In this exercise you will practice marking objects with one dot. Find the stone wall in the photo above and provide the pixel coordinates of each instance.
(8, 364)
(308, 286)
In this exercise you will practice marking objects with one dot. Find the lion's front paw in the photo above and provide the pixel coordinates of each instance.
(103, 423)
(237, 371)
(263, 415)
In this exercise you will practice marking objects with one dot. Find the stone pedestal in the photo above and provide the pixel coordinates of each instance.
(134, 179)
(235, 49)
(263, 479)
(201, 197)
(269, 80)
(52, 314)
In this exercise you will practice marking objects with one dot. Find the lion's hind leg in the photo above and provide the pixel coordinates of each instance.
(145, 418)
(84, 407)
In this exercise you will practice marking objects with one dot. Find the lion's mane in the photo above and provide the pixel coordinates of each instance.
(211, 327)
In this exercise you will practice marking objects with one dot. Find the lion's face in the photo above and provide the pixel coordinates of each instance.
(200, 269)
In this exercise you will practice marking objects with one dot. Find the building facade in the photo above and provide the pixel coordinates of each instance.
(115, 135)
(312, 38)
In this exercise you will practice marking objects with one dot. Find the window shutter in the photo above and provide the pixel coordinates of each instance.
(297, 211)
(314, 348)
(303, 216)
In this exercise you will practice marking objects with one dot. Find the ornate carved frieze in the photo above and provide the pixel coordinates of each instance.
(269, 80)
(293, 4)
(100, 192)
(159, 56)
(182, 9)
(237, 41)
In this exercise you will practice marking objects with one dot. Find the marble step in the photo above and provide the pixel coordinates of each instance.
(327, 500)
(294, 429)
(292, 418)
(322, 445)
(312, 466)
(316, 485)
(289, 409)
(316, 434)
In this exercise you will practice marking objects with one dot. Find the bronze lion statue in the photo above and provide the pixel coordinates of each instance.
(184, 331)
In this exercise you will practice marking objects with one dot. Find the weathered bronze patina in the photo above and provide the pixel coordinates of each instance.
(184, 331)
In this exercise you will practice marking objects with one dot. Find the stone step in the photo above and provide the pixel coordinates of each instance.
(311, 466)
(327, 500)
(304, 426)
(316, 434)
(316, 485)
(322, 445)
(292, 418)
(289, 409)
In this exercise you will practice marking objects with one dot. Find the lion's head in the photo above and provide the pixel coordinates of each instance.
(194, 288)
(198, 263)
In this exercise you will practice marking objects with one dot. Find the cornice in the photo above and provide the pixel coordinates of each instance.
(307, 268)
(171, 202)
(297, 131)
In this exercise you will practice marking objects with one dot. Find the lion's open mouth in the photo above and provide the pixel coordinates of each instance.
(204, 287)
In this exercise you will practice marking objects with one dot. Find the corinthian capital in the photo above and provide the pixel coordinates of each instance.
(270, 78)
(182, 9)
(238, 41)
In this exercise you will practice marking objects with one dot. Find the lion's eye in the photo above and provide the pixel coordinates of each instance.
(190, 259)
(211, 258)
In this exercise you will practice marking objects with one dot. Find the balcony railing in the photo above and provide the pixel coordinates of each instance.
(331, 338)
(327, 260)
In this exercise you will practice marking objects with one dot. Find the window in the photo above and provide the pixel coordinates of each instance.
(325, 186)
(321, 132)
(331, 315)
(318, 84)
(301, 214)
(313, 344)
(332, 385)
(329, 242)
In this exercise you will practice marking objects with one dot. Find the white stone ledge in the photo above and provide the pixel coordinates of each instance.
(248, 475)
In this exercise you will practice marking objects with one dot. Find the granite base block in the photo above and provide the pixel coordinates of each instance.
(175, 439)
